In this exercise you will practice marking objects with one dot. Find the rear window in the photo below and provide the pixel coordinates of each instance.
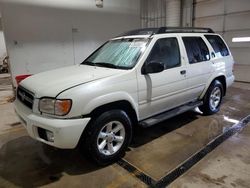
(196, 48)
(218, 45)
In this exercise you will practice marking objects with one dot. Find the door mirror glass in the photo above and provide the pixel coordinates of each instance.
(152, 67)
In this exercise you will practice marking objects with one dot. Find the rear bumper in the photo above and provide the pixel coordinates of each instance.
(230, 80)
(67, 132)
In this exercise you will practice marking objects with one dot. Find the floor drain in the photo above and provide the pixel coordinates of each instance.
(182, 168)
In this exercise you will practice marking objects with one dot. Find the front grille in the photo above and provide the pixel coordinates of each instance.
(25, 96)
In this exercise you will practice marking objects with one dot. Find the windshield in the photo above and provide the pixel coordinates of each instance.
(121, 53)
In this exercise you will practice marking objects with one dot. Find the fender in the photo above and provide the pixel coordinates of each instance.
(214, 75)
(109, 98)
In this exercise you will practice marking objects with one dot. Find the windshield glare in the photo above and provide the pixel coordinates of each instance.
(121, 53)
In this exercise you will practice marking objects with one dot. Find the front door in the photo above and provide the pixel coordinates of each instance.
(162, 91)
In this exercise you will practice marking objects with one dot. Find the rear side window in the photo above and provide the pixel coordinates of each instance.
(218, 45)
(196, 48)
(166, 51)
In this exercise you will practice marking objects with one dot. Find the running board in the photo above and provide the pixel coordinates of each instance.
(168, 114)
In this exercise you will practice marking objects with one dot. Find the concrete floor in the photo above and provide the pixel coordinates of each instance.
(156, 151)
(227, 166)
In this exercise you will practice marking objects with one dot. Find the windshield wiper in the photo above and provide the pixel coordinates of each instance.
(103, 64)
(88, 63)
(109, 65)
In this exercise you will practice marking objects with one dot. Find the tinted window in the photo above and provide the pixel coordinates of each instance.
(218, 45)
(166, 51)
(196, 48)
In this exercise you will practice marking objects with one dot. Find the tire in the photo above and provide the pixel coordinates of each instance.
(212, 99)
(107, 137)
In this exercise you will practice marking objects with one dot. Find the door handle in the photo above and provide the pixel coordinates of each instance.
(183, 72)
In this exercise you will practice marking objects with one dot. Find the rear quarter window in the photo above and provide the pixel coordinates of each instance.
(218, 45)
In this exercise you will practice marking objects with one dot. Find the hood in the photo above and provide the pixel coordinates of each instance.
(51, 83)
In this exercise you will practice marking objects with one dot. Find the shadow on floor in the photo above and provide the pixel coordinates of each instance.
(144, 135)
(28, 163)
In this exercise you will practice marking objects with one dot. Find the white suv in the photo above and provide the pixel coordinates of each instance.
(140, 78)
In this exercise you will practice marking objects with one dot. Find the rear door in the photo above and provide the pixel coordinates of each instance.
(222, 58)
(199, 66)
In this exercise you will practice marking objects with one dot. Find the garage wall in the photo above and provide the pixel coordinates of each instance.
(230, 18)
(160, 13)
(46, 34)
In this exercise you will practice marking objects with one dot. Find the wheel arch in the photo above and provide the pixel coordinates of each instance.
(118, 105)
(222, 80)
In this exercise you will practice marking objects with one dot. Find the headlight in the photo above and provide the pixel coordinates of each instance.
(52, 106)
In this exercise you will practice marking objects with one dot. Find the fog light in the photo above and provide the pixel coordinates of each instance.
(50, 136)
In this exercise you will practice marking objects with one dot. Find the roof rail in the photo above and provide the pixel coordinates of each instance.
(160, 30)
(144, 31)
(184, 30)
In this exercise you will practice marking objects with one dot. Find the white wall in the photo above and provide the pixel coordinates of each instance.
(46, 34)
(2, 47)
(160, 13)
(2, 42)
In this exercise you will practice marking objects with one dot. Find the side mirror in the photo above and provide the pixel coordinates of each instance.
(152, 67)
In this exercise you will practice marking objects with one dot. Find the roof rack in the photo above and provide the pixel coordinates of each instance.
(184, 30)
(161, 30)
(144, 31)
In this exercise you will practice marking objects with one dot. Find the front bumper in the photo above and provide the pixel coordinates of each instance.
(67, 132)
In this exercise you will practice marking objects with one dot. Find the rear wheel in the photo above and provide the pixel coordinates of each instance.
(108, 137)
(212, 99)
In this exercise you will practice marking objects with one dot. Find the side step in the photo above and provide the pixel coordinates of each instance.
(168, 114)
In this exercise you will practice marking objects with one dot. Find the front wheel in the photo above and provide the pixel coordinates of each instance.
(108, 137)
(212, 99)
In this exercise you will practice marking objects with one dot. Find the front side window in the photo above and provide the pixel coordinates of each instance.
(121, 53)
(165, 51)
(196, 49)
(218, 45)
